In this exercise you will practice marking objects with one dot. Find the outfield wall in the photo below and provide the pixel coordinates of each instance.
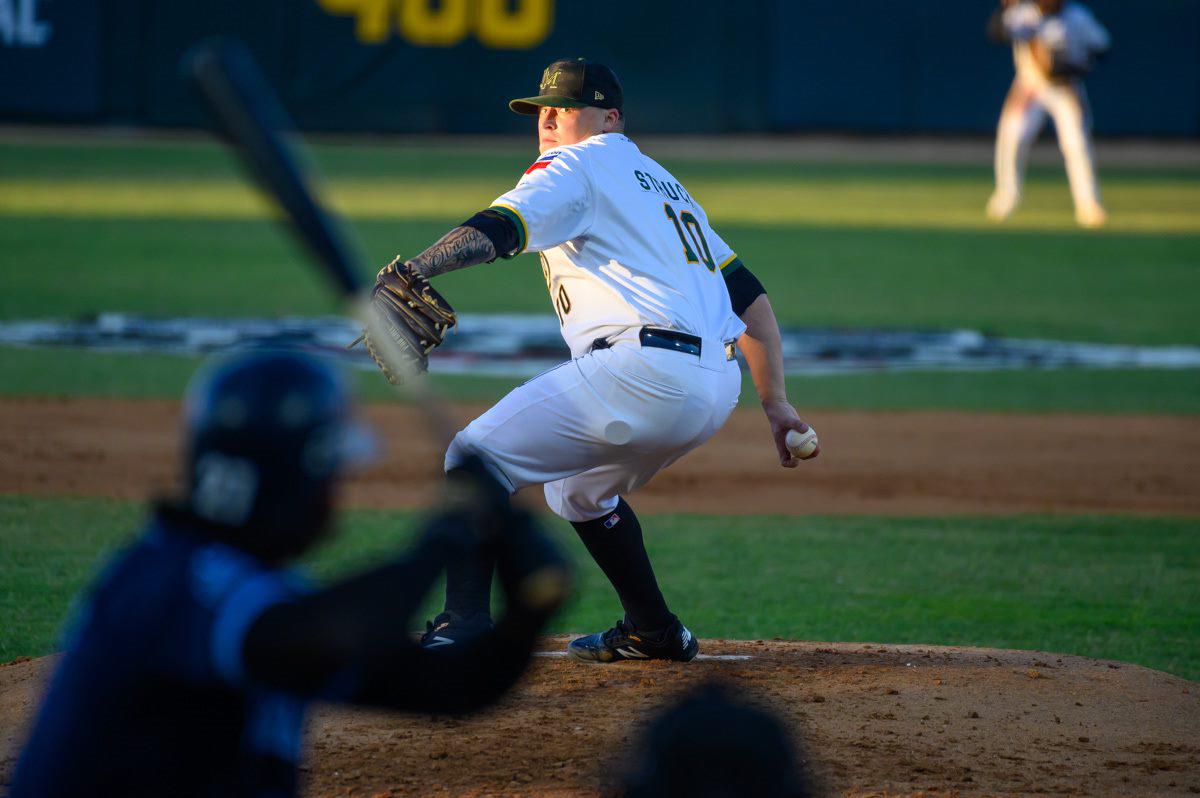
(420, 66)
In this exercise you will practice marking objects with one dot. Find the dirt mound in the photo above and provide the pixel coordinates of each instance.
(909, 463)
(874, 719)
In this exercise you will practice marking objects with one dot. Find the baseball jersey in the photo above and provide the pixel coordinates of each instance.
(150, 698)
(623, 245)
(1073, 35)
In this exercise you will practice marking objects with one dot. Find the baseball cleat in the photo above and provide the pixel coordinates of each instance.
(624, 642)
(449, 628)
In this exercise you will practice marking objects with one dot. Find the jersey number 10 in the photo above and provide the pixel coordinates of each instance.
(696, 251)
(560, 300)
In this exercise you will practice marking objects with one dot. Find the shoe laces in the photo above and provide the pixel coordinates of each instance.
(619, 633)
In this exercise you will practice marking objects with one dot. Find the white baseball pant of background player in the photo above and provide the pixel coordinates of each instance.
(1034, 95)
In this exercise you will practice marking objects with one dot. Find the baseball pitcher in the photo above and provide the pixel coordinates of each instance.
(652, 303)
(1055, 44)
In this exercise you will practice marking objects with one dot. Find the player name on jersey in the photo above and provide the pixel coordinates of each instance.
(674, 191)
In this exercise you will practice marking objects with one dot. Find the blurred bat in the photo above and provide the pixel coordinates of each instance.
(256, 126)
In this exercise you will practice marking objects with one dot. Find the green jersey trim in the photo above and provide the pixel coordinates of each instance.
(514, 216)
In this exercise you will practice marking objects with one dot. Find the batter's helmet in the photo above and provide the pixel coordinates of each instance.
(268, 434)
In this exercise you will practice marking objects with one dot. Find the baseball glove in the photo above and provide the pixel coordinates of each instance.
(408, 319)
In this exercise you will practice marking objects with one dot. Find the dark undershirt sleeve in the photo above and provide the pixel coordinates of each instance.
(499, 229)
(743, 286)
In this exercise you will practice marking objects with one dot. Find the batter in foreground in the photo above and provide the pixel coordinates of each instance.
(191, 661)
(652, 303)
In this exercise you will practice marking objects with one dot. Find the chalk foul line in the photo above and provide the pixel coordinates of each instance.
(715, 657)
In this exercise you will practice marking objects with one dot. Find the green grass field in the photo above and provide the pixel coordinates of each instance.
(79, 372)
(170, 228)
(1118, 588)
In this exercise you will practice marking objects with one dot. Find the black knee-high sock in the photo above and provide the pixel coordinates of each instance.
(615, 543)
(469, 581)
(469, 584)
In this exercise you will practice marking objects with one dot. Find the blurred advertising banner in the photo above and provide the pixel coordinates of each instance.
(702, 66)
(49, 56)
(451, 66)
(498, 24)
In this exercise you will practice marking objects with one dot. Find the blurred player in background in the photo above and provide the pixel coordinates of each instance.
(195, 654)
(1055, 44)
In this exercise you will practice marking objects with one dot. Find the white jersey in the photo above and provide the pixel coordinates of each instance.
(623, 245)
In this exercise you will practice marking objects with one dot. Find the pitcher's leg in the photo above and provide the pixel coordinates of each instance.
(613, 536)
(469, 587)
(649, 630)
(531, 435)
(615, 543)
(467, 611)
(606, 524)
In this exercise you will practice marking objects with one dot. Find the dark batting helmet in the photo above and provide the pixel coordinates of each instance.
(268, 435)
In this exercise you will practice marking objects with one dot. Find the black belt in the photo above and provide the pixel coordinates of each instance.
(670, 339)
(657, 338)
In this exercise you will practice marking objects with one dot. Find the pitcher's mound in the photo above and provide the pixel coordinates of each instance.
(874, 719)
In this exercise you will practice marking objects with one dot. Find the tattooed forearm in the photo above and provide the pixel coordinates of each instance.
(461, 247)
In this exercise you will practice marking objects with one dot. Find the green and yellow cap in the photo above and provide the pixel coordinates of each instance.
(573, 83)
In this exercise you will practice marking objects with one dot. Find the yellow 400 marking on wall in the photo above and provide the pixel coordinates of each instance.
(499, 24)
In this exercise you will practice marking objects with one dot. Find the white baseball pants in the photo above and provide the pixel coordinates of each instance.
(1024, 116)
(602, 425)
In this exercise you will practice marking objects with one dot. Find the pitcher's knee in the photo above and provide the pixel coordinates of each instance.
(466, 445)
(572, 503)
(459, 450)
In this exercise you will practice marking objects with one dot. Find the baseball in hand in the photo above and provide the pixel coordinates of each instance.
(801, 444)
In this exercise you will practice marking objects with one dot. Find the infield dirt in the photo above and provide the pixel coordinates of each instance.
(894, 463)
(875, 720)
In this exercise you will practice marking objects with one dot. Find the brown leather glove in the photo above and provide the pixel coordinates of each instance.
(410, 317)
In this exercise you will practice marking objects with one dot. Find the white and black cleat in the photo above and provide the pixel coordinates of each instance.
(624, 642)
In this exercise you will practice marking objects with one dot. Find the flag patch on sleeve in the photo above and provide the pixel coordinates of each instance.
(542, 163)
